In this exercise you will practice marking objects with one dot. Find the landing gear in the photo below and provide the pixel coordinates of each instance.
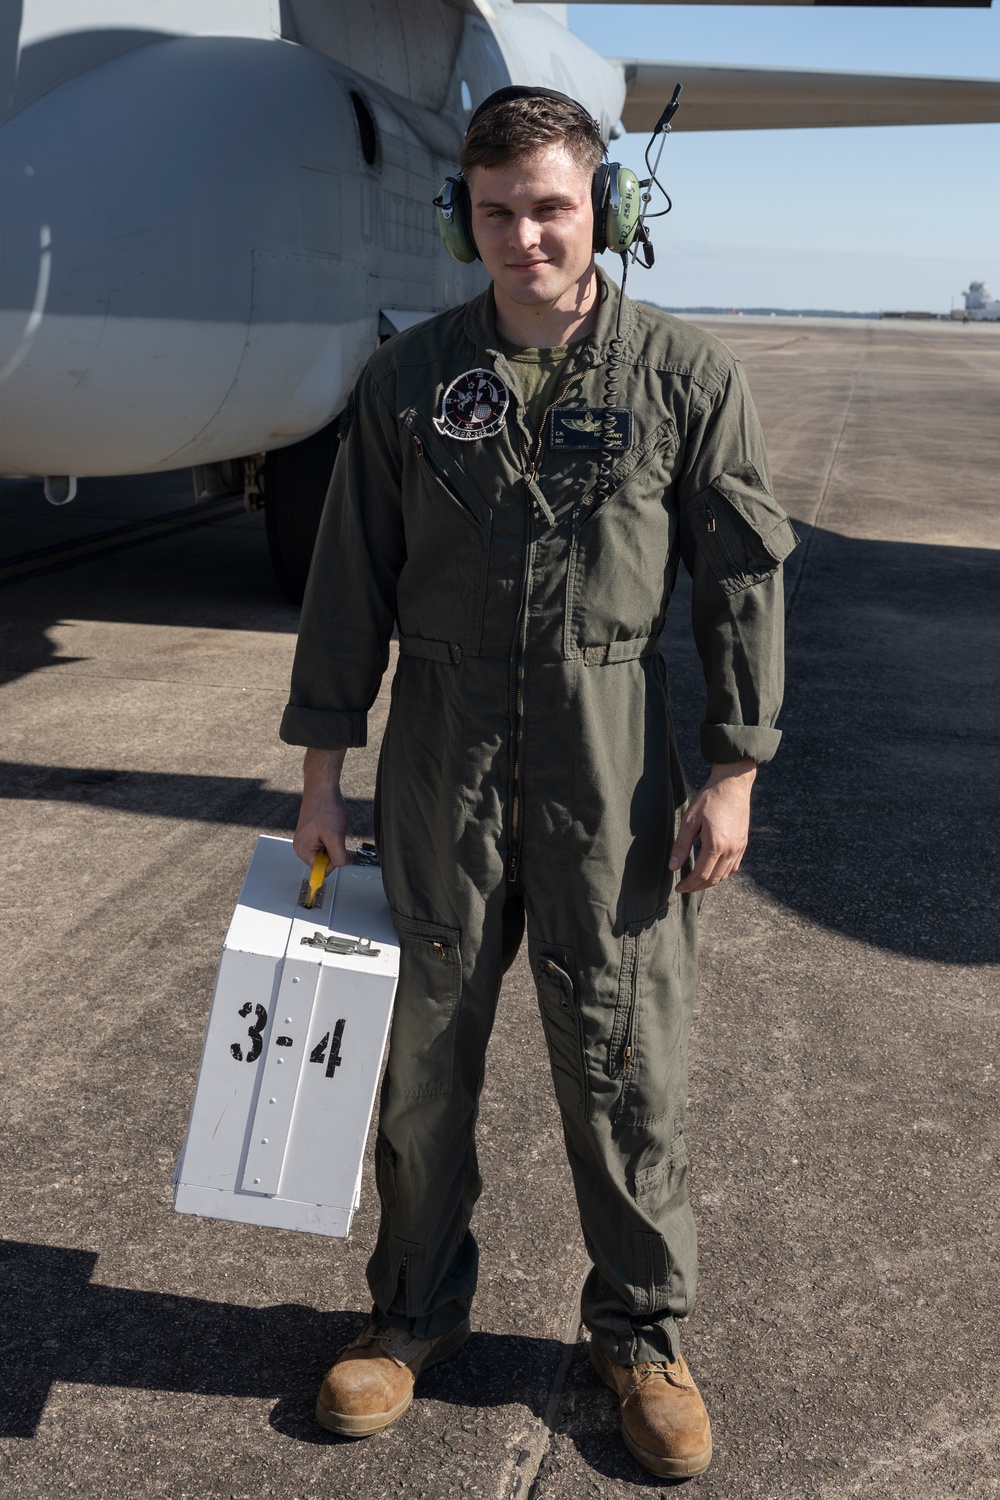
(295, 485)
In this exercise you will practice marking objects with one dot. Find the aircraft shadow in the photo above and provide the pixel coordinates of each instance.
(878, 816)
(875, 820)
(240, 801)
(215, 577)
(58, 1325)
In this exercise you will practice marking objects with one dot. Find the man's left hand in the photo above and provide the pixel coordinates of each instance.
(720, 817)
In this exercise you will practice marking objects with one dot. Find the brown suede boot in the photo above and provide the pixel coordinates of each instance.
(664, 1421)
(372, 1382)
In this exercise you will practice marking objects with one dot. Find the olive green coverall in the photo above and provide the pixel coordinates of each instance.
(528, 770)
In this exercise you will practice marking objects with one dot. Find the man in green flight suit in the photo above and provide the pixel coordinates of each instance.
(526, 545)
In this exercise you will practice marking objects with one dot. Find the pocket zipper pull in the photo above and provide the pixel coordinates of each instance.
(627, 1066)
(711, 517)
(418, 445)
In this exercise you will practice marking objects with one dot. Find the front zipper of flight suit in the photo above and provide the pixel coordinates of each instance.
(521, 634)
(517, 726)
(521, 641)
(536, 457)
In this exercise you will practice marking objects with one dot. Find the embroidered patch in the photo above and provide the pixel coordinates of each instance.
(474, 406)
(585, 429)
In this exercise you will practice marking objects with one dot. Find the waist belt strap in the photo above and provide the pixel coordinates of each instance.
(593, 656)
(413, 645)
(599, 656)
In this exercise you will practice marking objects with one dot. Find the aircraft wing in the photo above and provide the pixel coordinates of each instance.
(722, 98)
(897, 4)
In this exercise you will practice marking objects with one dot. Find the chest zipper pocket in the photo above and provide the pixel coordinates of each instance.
(453, 480)
(643, 458)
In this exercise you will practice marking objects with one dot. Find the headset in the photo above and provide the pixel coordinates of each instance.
(621, 207)
(615, 193)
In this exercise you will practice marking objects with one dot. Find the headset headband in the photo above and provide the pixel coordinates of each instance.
(528, 91)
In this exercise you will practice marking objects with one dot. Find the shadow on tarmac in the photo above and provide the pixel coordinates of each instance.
(216, 577)
(57, 1325)
(877, 819)
(238, 801)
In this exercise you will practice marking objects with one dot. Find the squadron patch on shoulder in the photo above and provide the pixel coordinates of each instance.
(474, 406)
(570, 428)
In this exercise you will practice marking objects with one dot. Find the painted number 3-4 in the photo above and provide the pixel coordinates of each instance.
(256, 1035)
(254, 1032)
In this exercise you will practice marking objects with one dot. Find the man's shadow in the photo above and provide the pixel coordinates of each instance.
(56, 1324)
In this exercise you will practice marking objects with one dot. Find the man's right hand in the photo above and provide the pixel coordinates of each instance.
(323, 815)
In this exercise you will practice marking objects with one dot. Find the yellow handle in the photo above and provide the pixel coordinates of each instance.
(317, 875)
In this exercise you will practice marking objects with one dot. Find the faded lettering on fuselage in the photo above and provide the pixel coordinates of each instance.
(401, 225)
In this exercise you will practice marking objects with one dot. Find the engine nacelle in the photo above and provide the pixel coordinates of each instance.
(197, 237)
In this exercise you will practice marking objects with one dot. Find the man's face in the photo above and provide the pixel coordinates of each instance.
(533, 223)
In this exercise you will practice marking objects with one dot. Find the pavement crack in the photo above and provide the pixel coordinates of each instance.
(534, 1448)
(827, 478)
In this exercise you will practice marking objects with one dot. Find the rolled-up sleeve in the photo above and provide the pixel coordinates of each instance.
(734, 539)
(350, 601)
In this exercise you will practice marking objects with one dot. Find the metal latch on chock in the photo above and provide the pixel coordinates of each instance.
(361, 946)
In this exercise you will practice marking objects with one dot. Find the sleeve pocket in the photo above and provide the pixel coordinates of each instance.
(743, 532)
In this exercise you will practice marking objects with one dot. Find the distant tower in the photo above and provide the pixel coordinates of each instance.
(979, 306)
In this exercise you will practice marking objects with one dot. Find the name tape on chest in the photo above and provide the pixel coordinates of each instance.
(474, 406)
(569, 428)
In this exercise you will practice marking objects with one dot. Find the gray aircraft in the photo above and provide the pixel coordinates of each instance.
(211, 211)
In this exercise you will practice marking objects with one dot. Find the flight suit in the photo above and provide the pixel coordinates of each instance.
(528, 771)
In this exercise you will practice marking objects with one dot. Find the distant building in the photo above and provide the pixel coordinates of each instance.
(979, 306)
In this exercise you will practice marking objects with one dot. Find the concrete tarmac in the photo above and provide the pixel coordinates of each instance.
(843, 1093)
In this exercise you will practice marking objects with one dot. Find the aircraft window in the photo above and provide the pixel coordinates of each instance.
(366, 129)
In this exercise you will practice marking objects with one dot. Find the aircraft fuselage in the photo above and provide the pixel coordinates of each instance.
(202, 232)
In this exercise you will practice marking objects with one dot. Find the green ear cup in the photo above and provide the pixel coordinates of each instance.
(624, 203)
(617, 203)
(452, 220)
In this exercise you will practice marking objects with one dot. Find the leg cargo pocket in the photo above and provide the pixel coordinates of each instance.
(621, 1048)
(647, 1050)
(563, 1026)
(425, 1014)
(650, 1291)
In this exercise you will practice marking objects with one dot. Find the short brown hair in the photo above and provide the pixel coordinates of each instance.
(516, 127)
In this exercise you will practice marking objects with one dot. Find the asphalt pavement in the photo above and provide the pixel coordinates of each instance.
(843, 1116)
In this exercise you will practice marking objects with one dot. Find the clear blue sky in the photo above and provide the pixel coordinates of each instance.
(860, 219)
